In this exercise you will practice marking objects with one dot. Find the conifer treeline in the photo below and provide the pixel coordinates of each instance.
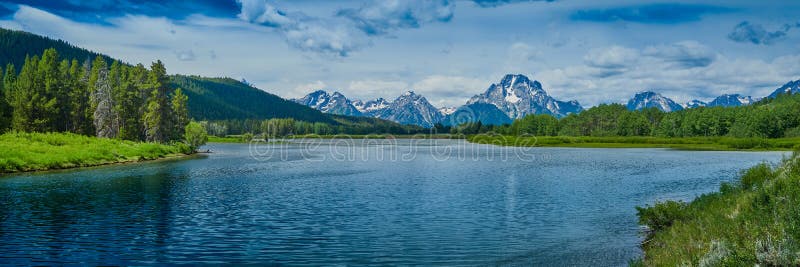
(58, 95)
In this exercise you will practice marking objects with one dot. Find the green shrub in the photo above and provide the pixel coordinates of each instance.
(755, 176)
(661, 215)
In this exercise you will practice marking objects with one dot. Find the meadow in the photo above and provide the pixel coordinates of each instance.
(47, 151)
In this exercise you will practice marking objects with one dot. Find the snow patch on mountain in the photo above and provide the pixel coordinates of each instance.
(649, 99)
(518, 96)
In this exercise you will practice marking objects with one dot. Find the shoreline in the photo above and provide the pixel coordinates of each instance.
(167, 157)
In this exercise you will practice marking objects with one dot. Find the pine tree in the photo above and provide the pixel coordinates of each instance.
(156, 117)
(46, 101)
(180, 113)
(23, 96)
(105, 118)
(4, 107)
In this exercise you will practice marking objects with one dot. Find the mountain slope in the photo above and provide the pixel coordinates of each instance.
(18, 44)
(487, 114)
(733, 100)
(517, 96)
(695, 104)
(335, 103)
(226, 98)
(371, 108)
(649, 99)
(792, 87)
(411, 108)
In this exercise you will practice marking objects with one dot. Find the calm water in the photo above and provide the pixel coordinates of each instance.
(444, 203)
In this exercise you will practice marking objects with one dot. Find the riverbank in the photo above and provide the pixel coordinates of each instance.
(240, 139)
(693, 143)
(755, 221)
(24, 152)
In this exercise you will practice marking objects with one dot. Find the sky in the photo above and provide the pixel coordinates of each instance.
(595, 52)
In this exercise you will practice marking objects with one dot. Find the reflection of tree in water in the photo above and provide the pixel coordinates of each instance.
(89, 215)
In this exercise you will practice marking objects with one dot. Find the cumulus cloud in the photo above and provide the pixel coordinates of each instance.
(495, 3)
(305, 32)
(650, 13)
(350, 29)
(611, 58)
(687, 54)
(381, 17)
(373, 88)
(303, 89)
(683, 71)
(746, 32)
(185, 55)
(443, 90)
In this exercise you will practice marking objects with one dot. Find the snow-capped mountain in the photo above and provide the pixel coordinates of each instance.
(649, 99)
(517, 96)
(792, 87)
(733, 100)
(411, 108)
(447, 110)
(694, 104)
(335, 103)
(487, 114)
(371, 108)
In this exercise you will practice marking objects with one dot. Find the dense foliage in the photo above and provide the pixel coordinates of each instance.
(17, 45)
(45, 151)
(769, 118)
(286, 127)
(754, 222)
(51, 94)
(229, 99)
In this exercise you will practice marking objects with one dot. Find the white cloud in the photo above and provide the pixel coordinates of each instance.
(449, 90)
(612, 57)
(682, 71)
(371, 89)
(303, 89)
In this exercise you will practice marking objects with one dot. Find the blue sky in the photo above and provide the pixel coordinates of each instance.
(591, 51)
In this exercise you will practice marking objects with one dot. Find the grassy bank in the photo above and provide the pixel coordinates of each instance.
(47, 151)
(755, 221)
(692, 143)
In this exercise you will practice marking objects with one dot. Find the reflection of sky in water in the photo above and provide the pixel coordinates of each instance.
(567, 207)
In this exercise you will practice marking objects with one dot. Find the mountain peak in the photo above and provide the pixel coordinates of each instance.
(335, 103)
(792, 87)
(517, 96)
(411, 108)
(650, 99)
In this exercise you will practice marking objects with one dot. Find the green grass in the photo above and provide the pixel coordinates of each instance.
(47, 151)
(755, 221)
(689, 143)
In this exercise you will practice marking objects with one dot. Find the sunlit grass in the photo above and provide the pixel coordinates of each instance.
(755, 221)
(45, 151)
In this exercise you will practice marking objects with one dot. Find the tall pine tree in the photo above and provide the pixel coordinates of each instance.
(24, 97)
(180, 113)
(157, 116)
(105, 118)
(5, 118)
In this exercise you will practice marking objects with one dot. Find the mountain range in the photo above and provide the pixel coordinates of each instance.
(513, 97)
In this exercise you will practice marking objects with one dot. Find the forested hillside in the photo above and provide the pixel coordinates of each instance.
(769, 118)
(227, 99)
(15, 45)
